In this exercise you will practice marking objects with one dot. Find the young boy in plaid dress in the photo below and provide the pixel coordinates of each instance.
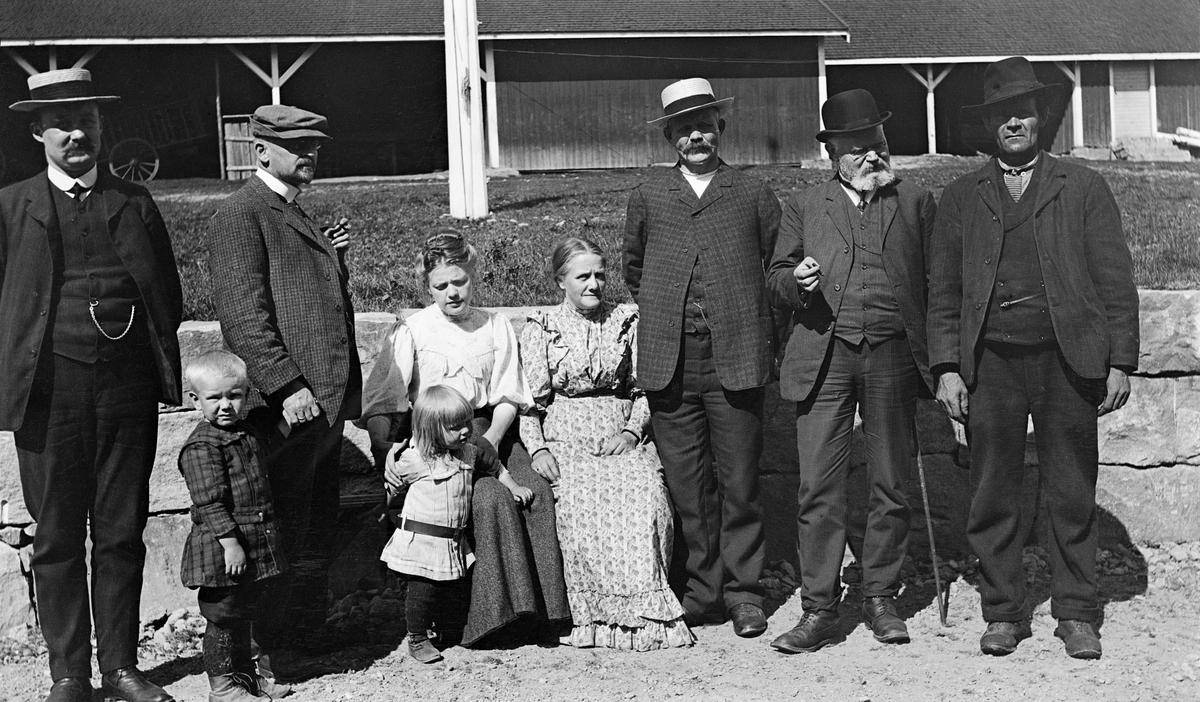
(234, 544)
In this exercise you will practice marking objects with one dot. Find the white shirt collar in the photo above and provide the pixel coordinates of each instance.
(64, 182)
(855, 196)
(285, 190)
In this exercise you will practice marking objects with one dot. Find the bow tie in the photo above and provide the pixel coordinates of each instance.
(1016, 172)
(79, 190)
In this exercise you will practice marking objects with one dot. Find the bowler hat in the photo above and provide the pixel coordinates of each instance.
(60, 87)
(850, 111)
(1013, 78)
(688, 95)
(287, 122)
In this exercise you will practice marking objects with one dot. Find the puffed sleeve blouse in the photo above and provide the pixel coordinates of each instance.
(477, 356)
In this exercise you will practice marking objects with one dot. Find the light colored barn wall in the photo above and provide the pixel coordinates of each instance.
(1096, 130)
(1178, 84)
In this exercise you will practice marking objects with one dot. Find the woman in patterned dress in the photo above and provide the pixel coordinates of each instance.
(588, 430)
(518, 567)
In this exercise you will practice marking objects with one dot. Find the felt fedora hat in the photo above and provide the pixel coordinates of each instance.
(287, 122)
(688, 95)
(61, 87)
(1013, 78)
(850, 111)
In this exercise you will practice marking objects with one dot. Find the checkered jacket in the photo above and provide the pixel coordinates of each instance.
(282, 299)
(230, 496)
(730, 233)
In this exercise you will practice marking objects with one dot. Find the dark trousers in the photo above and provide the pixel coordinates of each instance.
(230, 612)
(86, 447)
(882, 382)
(427, 602)
(696, 421)
(1012, 383)
(303, 472)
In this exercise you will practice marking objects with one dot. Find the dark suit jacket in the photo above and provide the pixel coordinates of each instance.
(815, 223)
(1085, 264)
(26, 279)
(282, 299)
(732, 230)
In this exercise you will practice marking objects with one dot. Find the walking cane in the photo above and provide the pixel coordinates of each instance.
(943, 601)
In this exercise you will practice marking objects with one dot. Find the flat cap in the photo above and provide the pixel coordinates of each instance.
(287, 122)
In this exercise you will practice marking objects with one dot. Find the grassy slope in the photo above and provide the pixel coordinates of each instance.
(1160, 204)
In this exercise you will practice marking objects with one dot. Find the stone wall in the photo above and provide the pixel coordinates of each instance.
(1149, 473)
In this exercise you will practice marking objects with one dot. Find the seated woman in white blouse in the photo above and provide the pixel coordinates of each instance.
(518, 571)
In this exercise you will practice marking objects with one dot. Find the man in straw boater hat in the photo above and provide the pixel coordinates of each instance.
(850, 264)
(281, 288)
(697, 238)
(91, 302)
(1032, 311)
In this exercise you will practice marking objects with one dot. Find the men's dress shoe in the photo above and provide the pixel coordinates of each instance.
(748, 620)
(880, 614)
(423, 651)
(814, 631)
(131, 685)
(70, 690)
(1001, 638)
(1081, 638)
(233, 687)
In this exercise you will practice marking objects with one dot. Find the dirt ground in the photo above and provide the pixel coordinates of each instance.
(1151, 637)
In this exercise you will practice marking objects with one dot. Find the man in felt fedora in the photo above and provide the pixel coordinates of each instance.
(281, 288)
(91, 302)
(697, 239)
(850, 265)
(1032, 311)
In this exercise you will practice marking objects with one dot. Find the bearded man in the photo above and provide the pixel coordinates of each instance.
(850, 263)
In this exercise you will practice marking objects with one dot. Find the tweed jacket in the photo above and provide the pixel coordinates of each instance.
(230, 496)
(1085, 263)
(816, 223)
(27, 216)
(731, 232)
(282, 297)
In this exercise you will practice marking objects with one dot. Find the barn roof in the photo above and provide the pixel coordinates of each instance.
(107, 21)
(887, 30)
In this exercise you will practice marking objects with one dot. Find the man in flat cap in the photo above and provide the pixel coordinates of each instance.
(1032, 311)
(697, 238)
(90, 302)
(282, 297)
(850, 264)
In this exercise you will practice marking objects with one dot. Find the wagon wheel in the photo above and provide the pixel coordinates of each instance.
(133, 159)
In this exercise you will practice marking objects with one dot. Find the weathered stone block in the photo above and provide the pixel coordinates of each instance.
(1143, 433)
(1154, 505)
(1170, 332)
(16, 608)
(12, 502)
(1187, 420)
(168, 492)
(161, 590)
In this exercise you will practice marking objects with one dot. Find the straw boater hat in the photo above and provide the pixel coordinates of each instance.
(688, 95)
(287, 122)
(1010, 79)
(64, 86)
(850, 111)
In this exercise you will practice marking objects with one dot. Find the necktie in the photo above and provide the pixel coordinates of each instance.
(78, 191)
(299, 210)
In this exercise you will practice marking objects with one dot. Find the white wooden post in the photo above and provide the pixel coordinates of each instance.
(931, 83)
(492, 136)
(1073, 72)
(275, 81)
(276, 86)
(54, 58)
(464, 115)
(822, 83)
(1153, 101)
(1112, 107)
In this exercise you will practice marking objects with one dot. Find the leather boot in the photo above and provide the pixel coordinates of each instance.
(131, 685)
(231, 687)
(814, 631)
(887, 626)
(70, 690)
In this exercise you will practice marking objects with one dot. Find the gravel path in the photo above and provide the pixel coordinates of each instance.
(1151, 639)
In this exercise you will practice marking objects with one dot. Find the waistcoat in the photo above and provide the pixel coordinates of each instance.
(1017, 311)
(869, 308)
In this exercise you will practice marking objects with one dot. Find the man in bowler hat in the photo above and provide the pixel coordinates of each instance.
(282, 297)
(1032, 311)
(697, 238)
(90, 301)
(850, 264)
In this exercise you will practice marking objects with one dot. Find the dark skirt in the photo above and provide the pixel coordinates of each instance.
(518, 569)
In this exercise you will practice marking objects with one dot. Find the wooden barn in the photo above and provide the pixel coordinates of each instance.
(565, 86)
(1134, 66)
